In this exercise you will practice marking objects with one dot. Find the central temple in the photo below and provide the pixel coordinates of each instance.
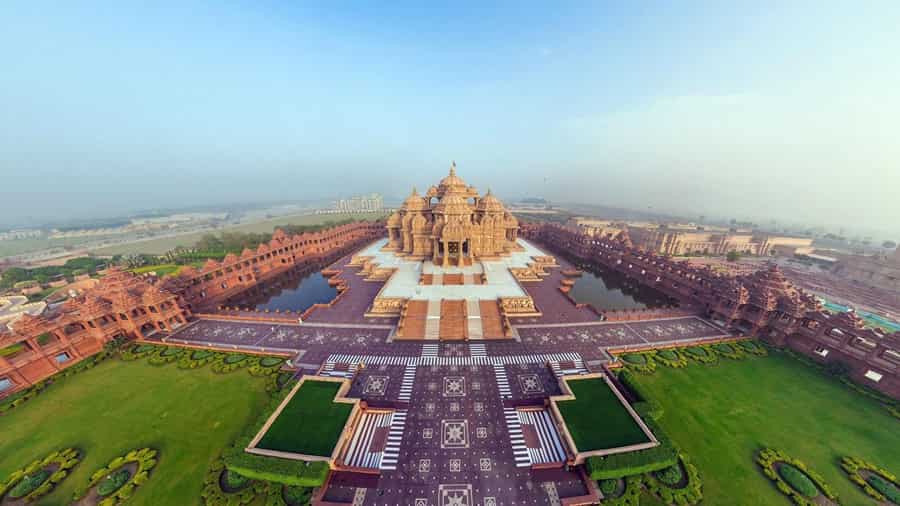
(452, 265)
(452, 224)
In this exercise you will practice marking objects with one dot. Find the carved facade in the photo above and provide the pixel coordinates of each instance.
(452, 224)
(763, 304)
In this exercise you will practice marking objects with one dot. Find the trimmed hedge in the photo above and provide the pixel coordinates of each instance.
(36, 479)
(729, 350)
(641, 362)
(701, 354)
(113, 482)
(253, 491)
(145, 458)
(798, 480)
(671, 358)
(753, 347)
(768, 459)
(885, 488)
(608, 487)
(620, 465)
(670, 476)
(270, 361)
(631, 496)
(853, 467)
(646, 407)
(296, 496)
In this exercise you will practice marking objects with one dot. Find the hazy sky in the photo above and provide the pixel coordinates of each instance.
(758, 110)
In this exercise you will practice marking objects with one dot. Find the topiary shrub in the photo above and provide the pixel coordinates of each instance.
(671, 358)
(887, 484)
(116, 483)
(679, 484)
(297, 496)
(671, 475)
(701, 354)
(28, 484)
(752, 346)
(233, 358)
(630, 496)
(798, 480)
(608, 487)
(729, 351)
(40, 476)
(779, 468)
(113, 482)
(270, 361)
(640, 362)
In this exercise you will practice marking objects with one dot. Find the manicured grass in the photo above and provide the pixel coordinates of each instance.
(310, 423)
(188, 415)
(597, 419)
(722, 415)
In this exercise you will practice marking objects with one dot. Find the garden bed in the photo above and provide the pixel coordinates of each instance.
(597, 419)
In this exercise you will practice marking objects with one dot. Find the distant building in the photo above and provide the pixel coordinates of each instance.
(686, 239)
(882, 271)
(360, 204)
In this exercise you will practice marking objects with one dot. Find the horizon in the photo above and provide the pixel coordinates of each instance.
(777, 111)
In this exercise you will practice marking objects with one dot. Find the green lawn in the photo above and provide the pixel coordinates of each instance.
(188, 415)
(310, 423)
(597, 419)
(721, 415)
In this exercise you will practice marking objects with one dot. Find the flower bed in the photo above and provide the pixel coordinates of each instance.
(793, 478)
(671, 358)
(701, 354)
(640, 362)
(225, 487)
(118, 480)
(875, 481)
(729, 350)
(39, 477)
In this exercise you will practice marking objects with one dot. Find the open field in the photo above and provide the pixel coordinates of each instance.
(188, 415)
(597, 419)
(310, 423)
(164, 244)
(722, 415)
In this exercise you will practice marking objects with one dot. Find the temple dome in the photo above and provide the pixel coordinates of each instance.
(415, 202)
(490, 203)
(453, 203)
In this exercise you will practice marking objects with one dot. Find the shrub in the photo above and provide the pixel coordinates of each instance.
(885, 488)
(609, 487)
(877, 476)
(297, 495)
(641, 362)
(798, 480)
(620, 465)
(270, 361)
(201, 354)
(28, 484)
(780, 469)
(671, 476)
(634, 358)
(113, 482)
(751, 346)
(701, 354)
(729, 350)
(234, 480)
(233, 358)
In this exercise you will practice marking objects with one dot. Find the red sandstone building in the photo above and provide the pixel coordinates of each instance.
(763, 304)
(124, 305)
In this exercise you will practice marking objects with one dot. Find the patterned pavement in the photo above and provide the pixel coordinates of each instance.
(458, 423)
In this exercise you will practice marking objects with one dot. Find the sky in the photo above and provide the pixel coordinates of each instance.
(753, 110)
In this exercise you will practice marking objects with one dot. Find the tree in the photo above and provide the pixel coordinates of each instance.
(733, 256)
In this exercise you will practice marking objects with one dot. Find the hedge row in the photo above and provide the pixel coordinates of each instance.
(40, 476)
(880, 490)
(214, 495)
(145, 458)
(641, 362)
(631, 496)
(729, 350)
(619, 465)
(792, 486)
(288, 472)
(671, 357)
(645, 406)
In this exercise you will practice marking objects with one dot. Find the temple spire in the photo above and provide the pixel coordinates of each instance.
(453, 167)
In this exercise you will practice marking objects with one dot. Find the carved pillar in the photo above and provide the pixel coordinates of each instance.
(446, 261)
(460, 259)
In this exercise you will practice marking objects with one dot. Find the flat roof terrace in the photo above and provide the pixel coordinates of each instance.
(404, 283)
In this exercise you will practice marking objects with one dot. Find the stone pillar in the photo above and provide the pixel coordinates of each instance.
(460, 260)
(444, 248)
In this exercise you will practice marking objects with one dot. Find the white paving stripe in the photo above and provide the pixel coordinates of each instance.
(551, 448)
(502, 381)
(406, 386)
(538, 358)
(358, 454)
(395, 437)
(514, 428)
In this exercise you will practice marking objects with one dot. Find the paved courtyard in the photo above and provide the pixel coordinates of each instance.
(448, 423)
